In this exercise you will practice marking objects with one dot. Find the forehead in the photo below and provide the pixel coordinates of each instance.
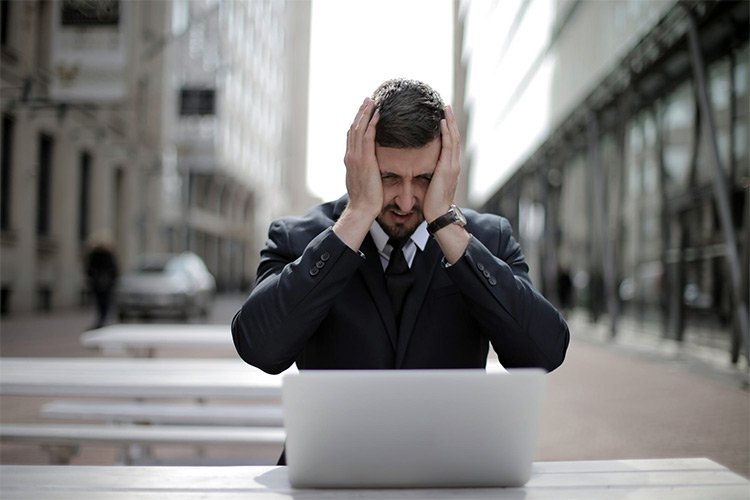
(409, 161)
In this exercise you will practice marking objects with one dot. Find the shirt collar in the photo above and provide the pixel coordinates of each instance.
(420, 236)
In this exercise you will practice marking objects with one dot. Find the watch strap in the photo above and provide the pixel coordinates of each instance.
(448, 218)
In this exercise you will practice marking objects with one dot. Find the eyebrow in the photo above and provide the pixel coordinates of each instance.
(426, 175)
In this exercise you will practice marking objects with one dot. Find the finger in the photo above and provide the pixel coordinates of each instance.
(352, 139)
(350, 132)
(371, 131)
(450, 119)
(446, 151)
(364, 115)
(455, 137)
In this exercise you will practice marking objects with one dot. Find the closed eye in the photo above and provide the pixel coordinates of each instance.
(389, 178)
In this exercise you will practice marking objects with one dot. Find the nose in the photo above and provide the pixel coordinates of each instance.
(405, 197)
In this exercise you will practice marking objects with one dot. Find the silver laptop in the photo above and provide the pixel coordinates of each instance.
(411, 428)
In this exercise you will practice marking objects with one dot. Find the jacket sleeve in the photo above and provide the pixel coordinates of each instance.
(524, 328)
(294, 291)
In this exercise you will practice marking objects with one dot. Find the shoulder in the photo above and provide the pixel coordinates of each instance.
(486, 225)
(496, 234)
(306, 227)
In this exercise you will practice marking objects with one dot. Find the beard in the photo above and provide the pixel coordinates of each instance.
(399, 230)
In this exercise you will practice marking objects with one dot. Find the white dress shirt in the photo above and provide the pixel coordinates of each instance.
(418, 239)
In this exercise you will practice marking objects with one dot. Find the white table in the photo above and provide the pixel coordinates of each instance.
(697, 478)
(145, 340)
(137, 378)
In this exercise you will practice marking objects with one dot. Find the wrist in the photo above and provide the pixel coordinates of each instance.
(353, 226)
(453, 241)
(431, 215)
(452, 216)
(361, 211)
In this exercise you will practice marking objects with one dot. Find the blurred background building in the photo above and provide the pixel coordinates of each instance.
(169, 126)
(614, 135)
(235, 152)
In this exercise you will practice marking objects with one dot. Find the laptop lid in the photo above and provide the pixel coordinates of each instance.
(411, 428)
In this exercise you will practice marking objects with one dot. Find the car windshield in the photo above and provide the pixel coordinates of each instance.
(156, 266)
(152, 268)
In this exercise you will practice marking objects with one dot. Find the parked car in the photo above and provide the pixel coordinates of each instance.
(178, 284)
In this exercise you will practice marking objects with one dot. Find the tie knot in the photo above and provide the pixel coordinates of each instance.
(397, 261)
(395, 243)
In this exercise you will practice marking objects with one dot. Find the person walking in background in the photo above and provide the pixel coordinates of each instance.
(102, 273)
(564, 288)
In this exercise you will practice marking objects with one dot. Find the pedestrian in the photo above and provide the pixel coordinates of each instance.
(102, 273)
(564, 288)
(394, 274)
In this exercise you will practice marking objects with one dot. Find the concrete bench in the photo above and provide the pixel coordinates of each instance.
(166, 413)
(62, 441)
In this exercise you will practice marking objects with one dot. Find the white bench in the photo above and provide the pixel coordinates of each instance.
(61, 441)
(166, 413)
(138, 378)
(145, 340)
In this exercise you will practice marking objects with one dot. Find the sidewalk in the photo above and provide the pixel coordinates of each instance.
(607, 401)
(611, 400)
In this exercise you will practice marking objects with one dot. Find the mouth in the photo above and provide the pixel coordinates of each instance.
(400, 216)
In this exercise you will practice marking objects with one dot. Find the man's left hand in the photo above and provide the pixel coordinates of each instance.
(444, 181)
(452, 239)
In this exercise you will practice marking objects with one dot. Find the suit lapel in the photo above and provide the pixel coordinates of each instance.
(423, 267)
(372, 272)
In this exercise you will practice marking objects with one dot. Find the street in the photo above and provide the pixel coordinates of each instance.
(605, 402)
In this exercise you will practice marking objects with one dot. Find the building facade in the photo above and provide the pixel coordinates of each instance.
(617, 144)
(167, 126)
(236, 148)
(81, 141)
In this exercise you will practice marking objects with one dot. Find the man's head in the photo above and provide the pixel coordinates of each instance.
(410, 113)
(407, 146)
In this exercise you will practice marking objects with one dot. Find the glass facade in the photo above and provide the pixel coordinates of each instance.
(633, 198)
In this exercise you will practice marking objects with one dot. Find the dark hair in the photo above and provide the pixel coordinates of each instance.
(410, 113)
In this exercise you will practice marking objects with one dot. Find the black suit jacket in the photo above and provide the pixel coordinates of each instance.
(320, 304)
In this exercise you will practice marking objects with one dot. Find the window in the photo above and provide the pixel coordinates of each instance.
(84, 196)
(44, 185)
(4, 22)
(741, 130)
(196, 102)
(678, 123)
(88, 13)
(7, 171)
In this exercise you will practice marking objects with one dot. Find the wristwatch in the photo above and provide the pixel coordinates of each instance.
(453, 216)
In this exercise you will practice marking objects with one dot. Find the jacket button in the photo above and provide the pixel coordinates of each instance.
(320, 264)
(492, 281)
(325, 256)
(480, 266)
(486, 273)
(314, 271)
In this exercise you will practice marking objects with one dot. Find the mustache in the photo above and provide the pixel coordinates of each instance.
(393, 207)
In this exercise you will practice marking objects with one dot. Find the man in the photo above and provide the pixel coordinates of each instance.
(327, 298)
(102, 272)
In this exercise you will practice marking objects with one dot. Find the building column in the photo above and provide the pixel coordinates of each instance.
(721, 191)
(23, 213)
(66, 192)
(599, 223)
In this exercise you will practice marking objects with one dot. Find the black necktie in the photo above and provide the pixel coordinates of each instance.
(398, 277)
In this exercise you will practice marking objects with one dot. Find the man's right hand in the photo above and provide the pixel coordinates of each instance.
(362, 173)
(363, 183)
